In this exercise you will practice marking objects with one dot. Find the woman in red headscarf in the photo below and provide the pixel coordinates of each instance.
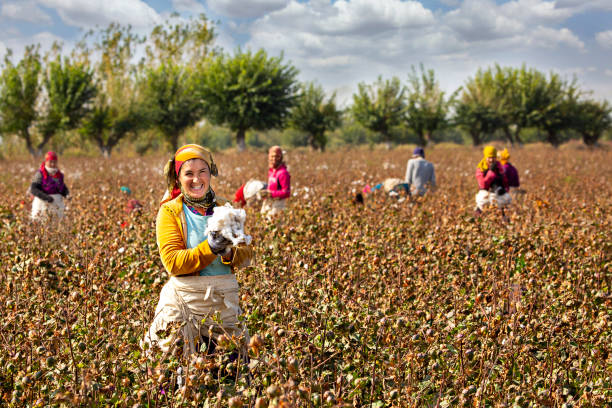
(48, 189)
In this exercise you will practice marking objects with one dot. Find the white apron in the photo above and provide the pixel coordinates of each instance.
(194, 300)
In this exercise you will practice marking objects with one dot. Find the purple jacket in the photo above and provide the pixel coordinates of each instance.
(279, 182)
(511, 175)
(42, 186)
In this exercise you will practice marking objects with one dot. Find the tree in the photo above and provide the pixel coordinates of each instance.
(175, 58)
(173, 103)
(477, 109)
(592, 120)
(380, 106)
(314, 116)
(248, 91)
(118, 109)
(181, 42)
(427, 107)
(69, 89)
(555, 107)
(19, 91)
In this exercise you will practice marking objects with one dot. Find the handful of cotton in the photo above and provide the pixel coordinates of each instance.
(229, 222)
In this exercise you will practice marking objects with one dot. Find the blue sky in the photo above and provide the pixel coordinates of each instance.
(341, 43)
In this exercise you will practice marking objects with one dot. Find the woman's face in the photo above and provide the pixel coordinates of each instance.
(275, 157)
(195, 178)
(491, 161)
(52, 164)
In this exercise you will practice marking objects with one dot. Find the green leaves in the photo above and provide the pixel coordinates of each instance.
(380, 106)
(19, 91)
(70, 87)
(247, 91)
(427, 108)
(172, 102)
(314, 115)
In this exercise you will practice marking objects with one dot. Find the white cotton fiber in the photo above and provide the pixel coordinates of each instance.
(252, 188)
(229, 222)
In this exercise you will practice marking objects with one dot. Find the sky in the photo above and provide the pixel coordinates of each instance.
(341, 43)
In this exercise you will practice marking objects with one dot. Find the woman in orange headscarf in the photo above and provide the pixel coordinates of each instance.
(509, 169)
(492, 182)
(200, 265)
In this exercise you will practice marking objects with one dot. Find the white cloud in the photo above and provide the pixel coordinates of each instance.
(88, 14)
(608, 72)
(584, 5)
(193, 6)
(333, 61)
(604, 38)
(246, 8)
(551, 38)
(45, 39)
(535, 10)
(478, 20)
(364, 17)
(25, 11)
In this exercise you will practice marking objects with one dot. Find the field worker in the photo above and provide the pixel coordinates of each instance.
(132, 206)
(279, 184)
(420, 173)
(492, 182)
(48, 189)
(202, 283)
(509, 169)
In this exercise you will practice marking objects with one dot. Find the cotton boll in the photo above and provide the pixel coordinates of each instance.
(229, 222)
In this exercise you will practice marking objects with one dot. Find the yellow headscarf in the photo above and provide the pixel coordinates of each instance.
(187, 152)
(504, 156)
(488, 151)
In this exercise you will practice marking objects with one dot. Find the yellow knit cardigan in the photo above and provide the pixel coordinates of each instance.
(178, 260)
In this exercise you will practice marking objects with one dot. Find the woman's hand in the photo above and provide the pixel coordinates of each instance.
(219, 245)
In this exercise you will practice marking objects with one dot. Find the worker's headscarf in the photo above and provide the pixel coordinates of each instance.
(173, 167)
(488, 151)
(504, 156)
(47, 171)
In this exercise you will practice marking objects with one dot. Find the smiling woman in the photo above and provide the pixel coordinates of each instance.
(200, 265)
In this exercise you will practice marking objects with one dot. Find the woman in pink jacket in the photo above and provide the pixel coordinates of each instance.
(492, 182)
(279, 184)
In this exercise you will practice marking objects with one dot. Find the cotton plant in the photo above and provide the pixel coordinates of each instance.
(229, 222)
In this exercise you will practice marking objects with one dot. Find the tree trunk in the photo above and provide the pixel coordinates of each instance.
(174, 142)
(517, 136)
(240, 140)
(552, 138)
(312, 141)
(590, 139)
(422, 141)
(43, 143)
(508, 135)
(427, 138)
(106, 151)
(475, 137)
(25, 134)
(387, 141)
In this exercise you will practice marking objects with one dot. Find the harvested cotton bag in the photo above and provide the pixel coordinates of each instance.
(42, 208)
(484, 197)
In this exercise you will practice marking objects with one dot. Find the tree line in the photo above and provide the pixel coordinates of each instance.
(116, 85)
